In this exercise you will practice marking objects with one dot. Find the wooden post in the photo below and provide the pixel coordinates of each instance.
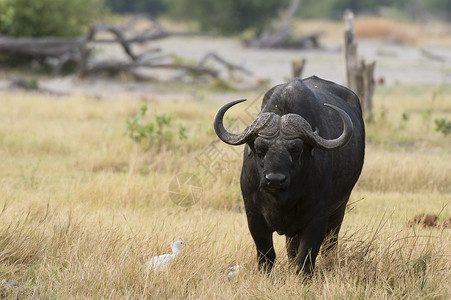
(297, 67)
(359, 75)
(368, 88)
(350, 50)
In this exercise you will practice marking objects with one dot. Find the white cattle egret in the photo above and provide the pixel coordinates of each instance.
(161, 262)
(233, 271)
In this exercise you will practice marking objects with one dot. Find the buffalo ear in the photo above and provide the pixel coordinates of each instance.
(309, 150)
(312, 151)
(249, 148)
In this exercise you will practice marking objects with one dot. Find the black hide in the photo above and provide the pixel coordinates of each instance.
(294, 188)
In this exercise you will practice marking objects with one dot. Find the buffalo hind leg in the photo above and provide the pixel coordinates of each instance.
(333, 228)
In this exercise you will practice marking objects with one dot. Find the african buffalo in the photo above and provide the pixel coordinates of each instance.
(296, 180)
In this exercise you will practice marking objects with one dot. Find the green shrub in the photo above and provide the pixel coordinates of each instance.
(27, 18)
(155, 132)
(443, 126)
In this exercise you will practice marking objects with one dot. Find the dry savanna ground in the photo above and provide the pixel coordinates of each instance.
(83, 206)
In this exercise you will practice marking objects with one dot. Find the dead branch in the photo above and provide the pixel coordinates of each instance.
(79, 51)
(230, 66)
(120, 37)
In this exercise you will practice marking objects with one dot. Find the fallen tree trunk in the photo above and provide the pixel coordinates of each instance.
(39, 47)
(59, 47)
(78, 50)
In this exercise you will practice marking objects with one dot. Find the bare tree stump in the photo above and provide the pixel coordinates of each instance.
(359, 75)
(297, 67)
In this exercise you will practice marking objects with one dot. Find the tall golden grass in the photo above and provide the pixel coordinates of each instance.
(82, 206)
(386, 28)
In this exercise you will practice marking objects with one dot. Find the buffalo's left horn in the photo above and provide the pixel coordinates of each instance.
(222, 133)
(264, 120)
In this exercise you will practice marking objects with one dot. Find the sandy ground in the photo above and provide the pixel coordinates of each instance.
(396, 64)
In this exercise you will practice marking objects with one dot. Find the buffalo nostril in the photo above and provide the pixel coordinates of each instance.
(275, 178)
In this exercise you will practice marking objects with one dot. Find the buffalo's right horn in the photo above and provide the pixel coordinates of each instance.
(261, 121)
(343, 139)
(302, 129)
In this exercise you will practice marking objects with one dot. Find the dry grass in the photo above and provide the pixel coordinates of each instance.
(389, 29)
(83, 207)
(374, 27)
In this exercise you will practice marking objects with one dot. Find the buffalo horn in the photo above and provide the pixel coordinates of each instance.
(305, 131)
(264, 120)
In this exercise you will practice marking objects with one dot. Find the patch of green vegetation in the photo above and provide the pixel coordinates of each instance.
(443, 125)
(22, 18)
(155, 132)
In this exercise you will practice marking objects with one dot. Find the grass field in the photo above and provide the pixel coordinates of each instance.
(83, 206)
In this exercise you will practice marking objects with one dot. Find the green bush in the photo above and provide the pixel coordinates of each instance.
(443, 126)
(62, 18)
(156, 132)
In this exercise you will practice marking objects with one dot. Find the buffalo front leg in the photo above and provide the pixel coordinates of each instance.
(292, 245)
(309, 243)
(263, 241)
(265, 253)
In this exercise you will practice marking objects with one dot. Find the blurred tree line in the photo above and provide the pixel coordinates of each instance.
(235, 16)
(233, 13)
(34, 18)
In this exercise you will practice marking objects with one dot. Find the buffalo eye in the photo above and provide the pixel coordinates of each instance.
(260, 154)
(295, 148)
(296, 153)
(260, 148)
